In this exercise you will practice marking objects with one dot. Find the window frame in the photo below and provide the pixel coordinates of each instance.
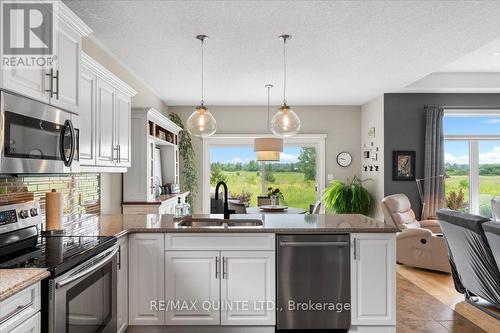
(473, 141)
(313, 140)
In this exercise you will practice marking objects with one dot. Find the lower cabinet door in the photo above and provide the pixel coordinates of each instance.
(32, 325)
(146, 278)
(192, 287)
(122, 286)
(373, 279)
(248, 288)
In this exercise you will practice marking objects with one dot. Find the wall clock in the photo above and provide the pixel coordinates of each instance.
(344, 159)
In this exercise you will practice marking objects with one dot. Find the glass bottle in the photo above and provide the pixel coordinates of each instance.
(186, 207)
(178, 208)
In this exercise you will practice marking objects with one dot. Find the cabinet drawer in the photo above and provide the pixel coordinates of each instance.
(222, 241)
(32, 325)
(19, 307)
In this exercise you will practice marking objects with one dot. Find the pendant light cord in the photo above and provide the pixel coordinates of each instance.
(202, 102)
(284, 71)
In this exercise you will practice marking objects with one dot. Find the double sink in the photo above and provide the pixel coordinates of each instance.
(191, 222)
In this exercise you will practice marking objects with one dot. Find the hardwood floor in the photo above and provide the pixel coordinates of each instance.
(428, 302)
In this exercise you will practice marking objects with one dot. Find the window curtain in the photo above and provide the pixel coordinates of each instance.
(434, 162)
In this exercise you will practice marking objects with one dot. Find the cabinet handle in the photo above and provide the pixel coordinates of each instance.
(119, 153)
(50, 74)
(119, 264)
(115, 148)
(355, 249)
(224, 268)
(57, 84)
(14, 312)
(216, 268)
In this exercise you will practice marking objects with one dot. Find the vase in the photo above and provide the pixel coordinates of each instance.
(274, 200)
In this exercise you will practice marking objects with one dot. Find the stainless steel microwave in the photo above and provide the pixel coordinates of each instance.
(36, 137)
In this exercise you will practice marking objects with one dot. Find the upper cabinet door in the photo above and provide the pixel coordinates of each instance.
(373, 279)
(106, 148)
(248, 276)
(122, 114)
(192, 276)
(27, 82)
(67, 71)
(87, 117)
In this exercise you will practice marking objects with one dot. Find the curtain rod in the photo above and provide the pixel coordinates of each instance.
(465, 107)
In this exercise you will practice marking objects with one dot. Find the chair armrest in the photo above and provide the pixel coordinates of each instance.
(414, 232)
(432, 225)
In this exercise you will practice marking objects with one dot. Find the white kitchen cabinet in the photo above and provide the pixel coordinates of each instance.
(27, 82)
(146, 278)
(122, 122)
(105, 132)
(32, 325)
(107, 151)
(87, 117)
(58, 84)
(20, 313)
(122, 285)
(66, 83)
(248, 276)
(373, 279)
(154, 147)
(192, 276)
(237, 269)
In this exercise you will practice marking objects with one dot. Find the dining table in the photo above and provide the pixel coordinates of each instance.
(289, 210)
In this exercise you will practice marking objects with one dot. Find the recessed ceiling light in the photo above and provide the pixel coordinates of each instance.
(497, 53)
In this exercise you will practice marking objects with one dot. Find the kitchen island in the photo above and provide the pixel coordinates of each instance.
(166, 265)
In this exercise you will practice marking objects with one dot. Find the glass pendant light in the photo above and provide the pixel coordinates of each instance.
(201, 122)
(285, 122)
(268, 148)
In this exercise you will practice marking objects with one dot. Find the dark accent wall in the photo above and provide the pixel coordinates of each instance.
(404, 128)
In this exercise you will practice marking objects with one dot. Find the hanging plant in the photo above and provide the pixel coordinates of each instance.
(347, 198)
(186, 152)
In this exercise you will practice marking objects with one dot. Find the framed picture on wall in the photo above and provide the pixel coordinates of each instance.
(403, 165)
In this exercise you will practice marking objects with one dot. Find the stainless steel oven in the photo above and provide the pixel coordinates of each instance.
(36, 137)
(83, 300)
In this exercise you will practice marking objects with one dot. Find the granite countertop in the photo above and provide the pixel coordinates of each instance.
(14, 280)
(119, 225)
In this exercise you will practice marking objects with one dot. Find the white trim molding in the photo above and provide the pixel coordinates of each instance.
(473, 141)
(314, 140)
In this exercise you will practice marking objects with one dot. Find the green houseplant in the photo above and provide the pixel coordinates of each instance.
(347, 198)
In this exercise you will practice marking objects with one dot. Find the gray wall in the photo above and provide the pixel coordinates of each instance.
(404, 128)
(341, 124)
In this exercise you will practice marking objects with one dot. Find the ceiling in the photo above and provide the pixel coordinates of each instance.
(342, 52)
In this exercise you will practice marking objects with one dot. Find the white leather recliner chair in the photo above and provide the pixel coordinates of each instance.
(419, 244)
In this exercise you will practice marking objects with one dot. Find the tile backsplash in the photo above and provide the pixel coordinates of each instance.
(81, 191)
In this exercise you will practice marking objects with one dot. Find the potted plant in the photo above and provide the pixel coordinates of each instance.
(347, 198)
(275, 195)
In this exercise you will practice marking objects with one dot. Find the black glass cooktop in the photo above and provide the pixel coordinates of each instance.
(56, 253)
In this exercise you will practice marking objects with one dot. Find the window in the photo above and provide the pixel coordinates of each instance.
(472, 159)
(299, 174)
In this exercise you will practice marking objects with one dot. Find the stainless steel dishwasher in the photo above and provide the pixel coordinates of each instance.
(313, 278)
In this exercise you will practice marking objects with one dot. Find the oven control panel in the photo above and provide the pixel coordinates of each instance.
(19, 216)
(8, 216)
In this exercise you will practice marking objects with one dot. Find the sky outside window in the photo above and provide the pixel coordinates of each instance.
(457, 153)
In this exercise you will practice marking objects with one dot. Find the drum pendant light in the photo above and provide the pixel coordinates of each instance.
(268, 148)
(285, 122)
(201, 122)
